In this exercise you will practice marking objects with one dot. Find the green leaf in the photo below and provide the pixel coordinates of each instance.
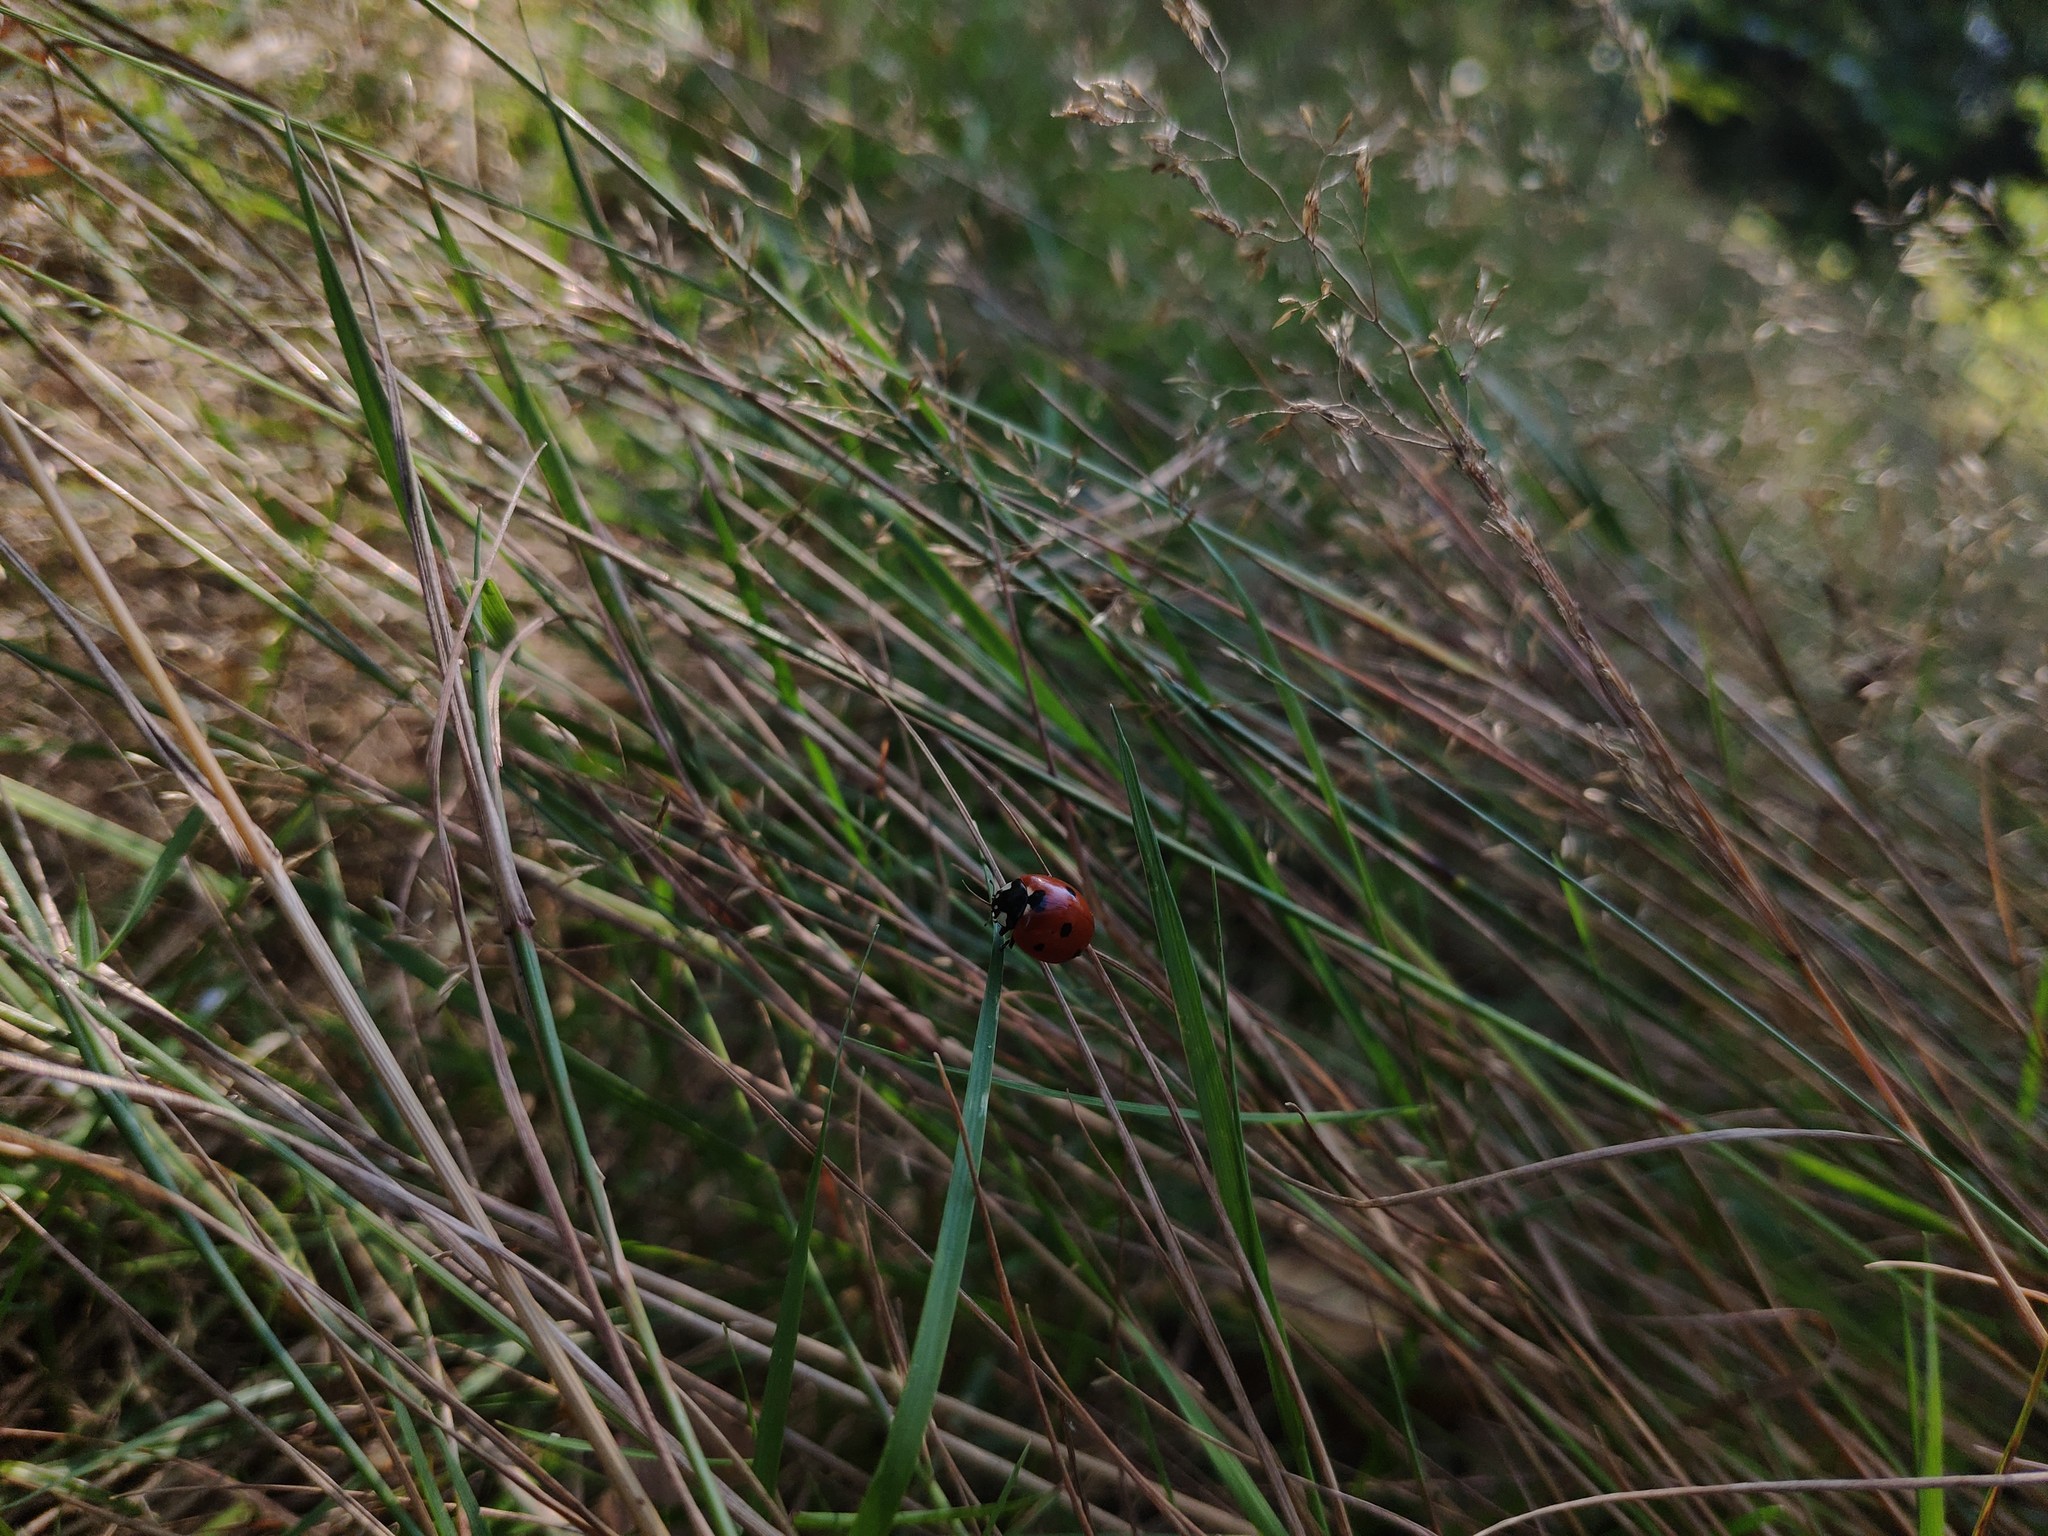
(495, 614)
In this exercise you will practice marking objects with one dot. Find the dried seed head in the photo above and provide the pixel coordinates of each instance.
(1192, 19)
(1111, 102)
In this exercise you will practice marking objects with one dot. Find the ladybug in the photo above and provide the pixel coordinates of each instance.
(1044, 917)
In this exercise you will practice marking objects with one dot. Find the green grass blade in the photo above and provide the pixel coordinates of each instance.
(2029, 1101)
(1386, 928)
(1933, 1502)
(749, 590)
(773, 1418)
(151, 1151)
(1231, 1472)
(1872, 1193)
(160, 875)
(558, 474)
(1218, 1105)
(905, 1444)
(1221, 1117)
(348, 331)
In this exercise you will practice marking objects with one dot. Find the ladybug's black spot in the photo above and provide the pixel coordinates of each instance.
(1065, 929)
(1038, 949)
(1037, 901)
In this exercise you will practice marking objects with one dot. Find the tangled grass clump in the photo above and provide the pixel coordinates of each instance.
(550, 559)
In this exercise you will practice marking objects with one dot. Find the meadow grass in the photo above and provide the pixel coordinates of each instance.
(540, 601)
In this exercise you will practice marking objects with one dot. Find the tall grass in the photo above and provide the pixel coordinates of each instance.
(531, 636)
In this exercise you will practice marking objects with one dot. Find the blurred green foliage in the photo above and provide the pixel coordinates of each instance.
(1981, 260)
(1799, 104)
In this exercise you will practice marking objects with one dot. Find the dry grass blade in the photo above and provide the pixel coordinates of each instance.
(1595, 1155)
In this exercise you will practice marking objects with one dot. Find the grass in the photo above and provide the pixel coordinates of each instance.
(551, 564)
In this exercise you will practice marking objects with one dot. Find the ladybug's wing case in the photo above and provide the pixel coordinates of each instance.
(1044, 917)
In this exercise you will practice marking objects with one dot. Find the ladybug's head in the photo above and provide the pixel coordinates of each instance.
(1010, 903)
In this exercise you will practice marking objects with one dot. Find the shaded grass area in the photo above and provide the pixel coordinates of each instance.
(546, 583)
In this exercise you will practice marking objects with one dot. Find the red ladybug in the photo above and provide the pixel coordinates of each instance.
(1044, 917)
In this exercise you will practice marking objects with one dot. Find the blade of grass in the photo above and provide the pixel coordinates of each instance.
(2029, 1102)
(2012, 1442)
(1214, 1094)
(1933, 1501)
(785, 681)
(630, 641)
(383, 427)
(771, 1422)
(150, 1150)
(905, 1444)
